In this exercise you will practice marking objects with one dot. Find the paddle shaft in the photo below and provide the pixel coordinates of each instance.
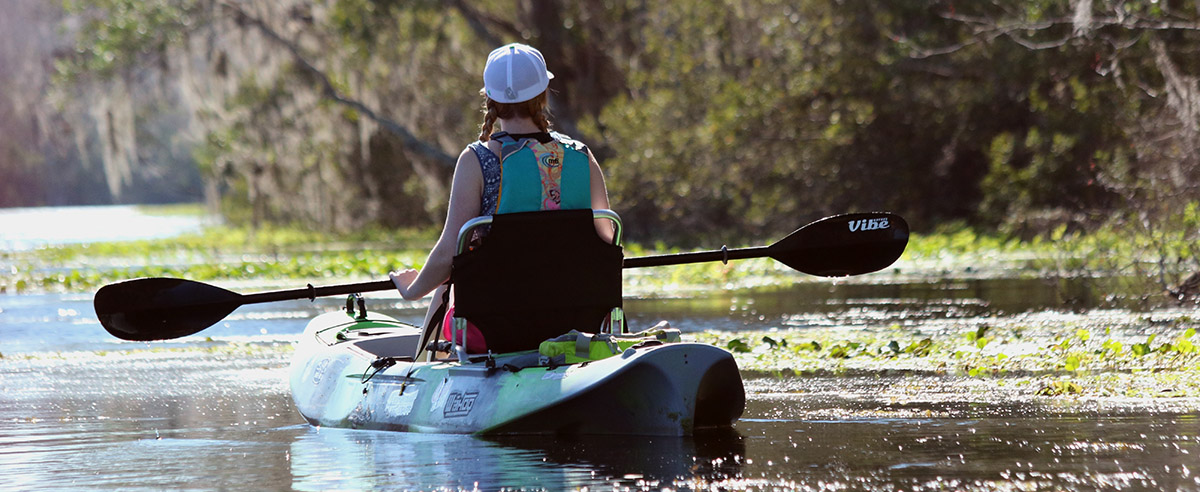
(723, 255)
(312, 293)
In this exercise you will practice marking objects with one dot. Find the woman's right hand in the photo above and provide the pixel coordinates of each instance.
(403, 279)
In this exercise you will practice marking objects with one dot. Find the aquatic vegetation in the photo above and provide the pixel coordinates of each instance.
(957, 239)
(1059, 388)
(921, 348)
(283, 253)
(1147, 356)
(1054, 359)
(217, 254)
(279, 253)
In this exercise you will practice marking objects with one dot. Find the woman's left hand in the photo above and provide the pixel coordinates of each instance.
(403, 279)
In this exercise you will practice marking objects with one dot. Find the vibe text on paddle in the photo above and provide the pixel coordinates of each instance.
(868, 224)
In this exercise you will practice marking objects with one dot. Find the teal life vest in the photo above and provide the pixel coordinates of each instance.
(542, 172)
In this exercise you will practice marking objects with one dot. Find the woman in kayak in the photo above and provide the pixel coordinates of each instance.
(544, 170)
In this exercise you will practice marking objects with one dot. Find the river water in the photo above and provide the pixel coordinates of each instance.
(80, 410)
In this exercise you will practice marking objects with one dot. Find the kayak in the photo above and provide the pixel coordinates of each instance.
(363, 370)
(357, 371)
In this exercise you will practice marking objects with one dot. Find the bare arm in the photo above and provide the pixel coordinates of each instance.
(466, 191)
(604, 227)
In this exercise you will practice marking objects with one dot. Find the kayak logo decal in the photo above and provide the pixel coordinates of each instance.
(400, 402)
(459, 404)
(319, 371)
(868, 224)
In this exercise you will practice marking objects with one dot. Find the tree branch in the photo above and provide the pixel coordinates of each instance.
(479, 23)
(988, 29)
(329, 91)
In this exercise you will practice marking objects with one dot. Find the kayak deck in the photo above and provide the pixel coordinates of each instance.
(359, 373)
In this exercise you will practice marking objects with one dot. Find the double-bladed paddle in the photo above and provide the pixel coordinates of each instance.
(147, 309)
(849, 244)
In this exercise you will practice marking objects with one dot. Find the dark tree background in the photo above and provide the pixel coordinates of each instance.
(714, 119)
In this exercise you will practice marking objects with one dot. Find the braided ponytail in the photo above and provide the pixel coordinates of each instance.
(490, 113)
(536, 109)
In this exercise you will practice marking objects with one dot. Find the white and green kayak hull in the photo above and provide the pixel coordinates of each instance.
(364, 378)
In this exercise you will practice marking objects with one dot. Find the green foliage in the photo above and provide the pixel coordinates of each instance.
(1055, 358)
(774, 344)
(1060, 388)
(921, 348)
(738, 345)
(713, 119)
(959, 239)
(1141, 349)
(978, 337)
(117, 35)
(811, 346)
(844, 350)
(221, 253)
(1072, 362)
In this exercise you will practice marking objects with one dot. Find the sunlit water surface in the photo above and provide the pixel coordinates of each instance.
(80, 410)
(27, 228)
(193, 419)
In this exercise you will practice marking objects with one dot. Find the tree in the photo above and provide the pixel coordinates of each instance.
(358, 105)
(714, 119)
(1148, 53)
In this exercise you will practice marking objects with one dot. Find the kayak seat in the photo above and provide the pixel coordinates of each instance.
(536, 275)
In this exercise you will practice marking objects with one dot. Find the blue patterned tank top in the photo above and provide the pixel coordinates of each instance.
(489, 163)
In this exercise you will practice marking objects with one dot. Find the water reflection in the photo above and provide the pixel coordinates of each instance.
(28, 228)
(325, 459)
(855, 440)
(886, 301)
(197, 420)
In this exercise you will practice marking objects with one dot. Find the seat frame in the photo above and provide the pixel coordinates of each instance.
(615, 322)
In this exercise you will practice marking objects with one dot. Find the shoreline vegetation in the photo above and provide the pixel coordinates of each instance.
(1087, 356)
(284, 255)
(1109, 354)
(1103, 358)
(281, 255)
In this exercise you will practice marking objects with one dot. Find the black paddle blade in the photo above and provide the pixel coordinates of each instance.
(849, 244)
(147, 309)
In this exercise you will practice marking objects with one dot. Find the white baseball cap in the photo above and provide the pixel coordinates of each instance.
(515, 73)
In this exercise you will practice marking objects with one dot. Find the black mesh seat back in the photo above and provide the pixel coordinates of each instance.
(535, 276)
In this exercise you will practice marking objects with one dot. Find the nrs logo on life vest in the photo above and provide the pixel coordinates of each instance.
(868, 224)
